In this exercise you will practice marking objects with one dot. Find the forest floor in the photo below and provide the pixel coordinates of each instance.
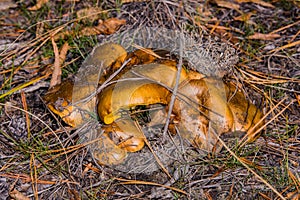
(41, 156)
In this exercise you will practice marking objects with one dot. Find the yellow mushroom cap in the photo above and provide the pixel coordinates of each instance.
(162, 73)
(126, 134)
(107, 152)
(246, 115)
(105, 55)
(127, 94)
(62, 98)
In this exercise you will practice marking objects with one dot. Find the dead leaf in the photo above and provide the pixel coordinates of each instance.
(225, 32)
(15, 194)
(207, 195)
(245, 17)
(262, 36)
(250, 163)
(293, 195)
(89, 14)
(38, 5)
(131, 1)
(298, 98)
(264, 196)
(86, 169)
(74, 194)
(63, 53)
(259, 2)
(56, 74)
(227, 4)
(59, 60)
(39, 29)
(107, 27)
(6, 4)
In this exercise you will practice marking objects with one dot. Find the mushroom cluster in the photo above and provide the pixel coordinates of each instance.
(200, 108)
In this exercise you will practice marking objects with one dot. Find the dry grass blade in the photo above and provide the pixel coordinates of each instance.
(27, 179)
(252, 76)
(154, 154)
(264, 196)
(286, 27)
(126, 182)
(15, 89)
(175, 89)
(248, 168)
(43, 41)
(214, 27)
(285, 46)
(295, 179)
(24, 102)
(248, 137)
(64, 151)
(33, 176)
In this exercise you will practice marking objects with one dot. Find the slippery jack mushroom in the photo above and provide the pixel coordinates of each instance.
(203, 108)
(207, 108)
(142, 85)
(118, 138)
